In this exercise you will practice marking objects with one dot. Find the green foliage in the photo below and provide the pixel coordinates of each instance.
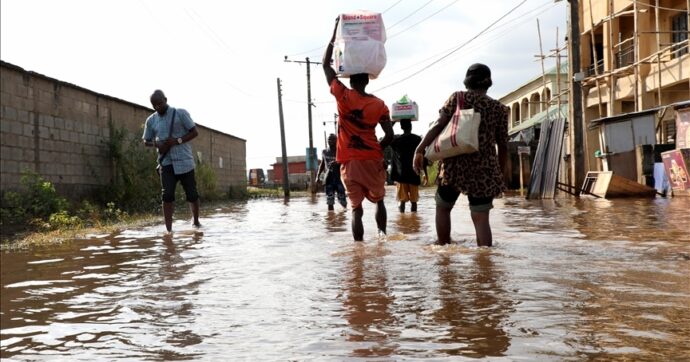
(63, 220)
(112, 213)
(432, 173)
(37, 199)
(135, 184)
(206, 181)
(238, 192)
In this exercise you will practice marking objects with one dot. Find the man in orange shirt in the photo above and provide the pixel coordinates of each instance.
(359, 152)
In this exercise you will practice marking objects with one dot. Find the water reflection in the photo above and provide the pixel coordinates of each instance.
(474, 306)
(367, 303)
(408, 223)
(336, 221)
(568, 280)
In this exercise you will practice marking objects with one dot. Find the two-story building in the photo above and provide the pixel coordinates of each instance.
(543, 97)
(635, 69)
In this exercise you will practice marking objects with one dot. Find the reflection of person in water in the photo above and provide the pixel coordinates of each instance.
(408, 223)
(367, 303)
(474, 306)
(167, 300)
(335, 221)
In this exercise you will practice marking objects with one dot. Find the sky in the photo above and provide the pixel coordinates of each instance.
(220, 60)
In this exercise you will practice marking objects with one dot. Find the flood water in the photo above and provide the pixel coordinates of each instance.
(567, 280)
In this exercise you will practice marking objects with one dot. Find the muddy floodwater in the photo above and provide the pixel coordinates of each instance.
(265, 280)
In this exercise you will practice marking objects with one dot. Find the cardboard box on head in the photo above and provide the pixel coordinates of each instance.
(359, 44)
(404, 108)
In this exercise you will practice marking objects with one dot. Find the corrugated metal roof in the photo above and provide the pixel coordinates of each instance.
(625, 116)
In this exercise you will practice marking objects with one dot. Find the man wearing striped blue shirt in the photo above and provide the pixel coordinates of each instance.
(169, 130)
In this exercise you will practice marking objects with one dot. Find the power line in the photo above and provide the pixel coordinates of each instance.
(515, 24)
(208, 30)
(454, 50)
(520, 18)
(412, 13)
(417, 23)
(390, 7)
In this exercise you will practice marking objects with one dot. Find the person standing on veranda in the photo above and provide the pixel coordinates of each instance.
(175, 158)
(479, 175)
(359, 152)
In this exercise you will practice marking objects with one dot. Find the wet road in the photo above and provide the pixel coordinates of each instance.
(572, 280)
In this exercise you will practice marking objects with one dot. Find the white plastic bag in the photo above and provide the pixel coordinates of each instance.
(460, 136)
(359, 44)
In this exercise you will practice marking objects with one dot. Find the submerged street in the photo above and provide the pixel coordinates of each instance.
(267, 280)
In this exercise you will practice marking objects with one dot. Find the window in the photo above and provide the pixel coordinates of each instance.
(679, 26)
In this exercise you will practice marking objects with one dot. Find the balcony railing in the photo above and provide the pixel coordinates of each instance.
(593, 70)
(625, 56)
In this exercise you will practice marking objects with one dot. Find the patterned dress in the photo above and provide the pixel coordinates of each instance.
(477, 174)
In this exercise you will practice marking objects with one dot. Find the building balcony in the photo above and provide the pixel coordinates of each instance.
(625, 56)
(592, 70)
(668, 73)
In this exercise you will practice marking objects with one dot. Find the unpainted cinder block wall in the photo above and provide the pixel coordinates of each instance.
(60, 130)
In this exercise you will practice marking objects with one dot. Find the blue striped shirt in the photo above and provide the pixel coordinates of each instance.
(157, 128)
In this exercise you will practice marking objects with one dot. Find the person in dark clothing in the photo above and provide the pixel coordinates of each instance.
(403, 173)
(331, 169)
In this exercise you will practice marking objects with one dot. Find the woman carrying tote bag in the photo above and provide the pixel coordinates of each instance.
(479, 175)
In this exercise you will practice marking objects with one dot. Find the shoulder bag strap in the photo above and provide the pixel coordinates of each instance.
(172, 122)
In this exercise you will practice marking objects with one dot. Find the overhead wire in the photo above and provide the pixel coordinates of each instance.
(421, 21)
(392, 6)
(456, 48)
(518, 20)
(526, 15)
(208, 30)
(503, 29)
(412, 13)
(215, 38)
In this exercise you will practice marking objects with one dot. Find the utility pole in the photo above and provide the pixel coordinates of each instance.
(312, 156)
(286, 182)
(577, 126)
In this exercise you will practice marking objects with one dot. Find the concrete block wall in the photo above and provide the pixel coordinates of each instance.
(59, 130)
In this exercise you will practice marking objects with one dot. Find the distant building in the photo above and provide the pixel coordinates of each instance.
(298, 175)
(531, 103)
(543, 97)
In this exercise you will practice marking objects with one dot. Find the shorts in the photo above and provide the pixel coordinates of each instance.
(363, 178)
(169, 183)
(408, 192)
(447, 195)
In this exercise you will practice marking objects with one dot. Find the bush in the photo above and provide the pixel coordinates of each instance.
(433, 172)
(238, 193)
(206, 181)
(135, 184)
(37, 199)
(63, 220)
